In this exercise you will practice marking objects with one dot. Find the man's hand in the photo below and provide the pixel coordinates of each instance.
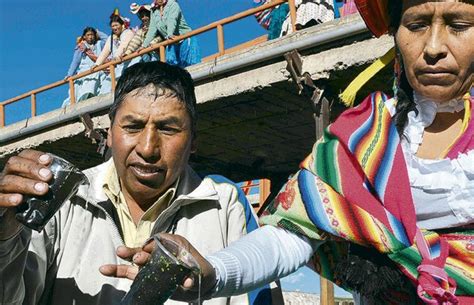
(126, 271)
(24, 174)
(188, 291)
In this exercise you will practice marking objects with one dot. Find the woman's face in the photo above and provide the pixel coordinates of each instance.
(116, 28)
(159, 2)
(144, 17)
(89, 37)
(436, 41)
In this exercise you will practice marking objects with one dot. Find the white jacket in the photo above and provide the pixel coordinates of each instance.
(60, 265)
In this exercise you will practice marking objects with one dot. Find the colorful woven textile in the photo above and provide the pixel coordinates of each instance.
(354, 187)
(263, 17)
(375, 15)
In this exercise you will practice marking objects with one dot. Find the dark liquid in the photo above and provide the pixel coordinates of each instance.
(35, 212)
(156, 282)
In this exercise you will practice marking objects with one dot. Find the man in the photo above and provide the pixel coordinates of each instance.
(147, 187)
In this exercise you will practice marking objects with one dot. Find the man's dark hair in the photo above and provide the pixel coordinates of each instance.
(168, 80)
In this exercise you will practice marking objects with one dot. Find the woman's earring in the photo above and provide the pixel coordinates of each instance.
(397, 69)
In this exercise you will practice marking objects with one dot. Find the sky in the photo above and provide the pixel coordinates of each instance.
(37, 38)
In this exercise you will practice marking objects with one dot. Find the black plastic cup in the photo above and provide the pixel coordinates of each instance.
(160, 277)
(35, 212)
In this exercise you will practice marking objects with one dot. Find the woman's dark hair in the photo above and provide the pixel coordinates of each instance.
(395, 14)
(143, 12)
(404, 97)
(91, 29)
(116, 18)
(168, 80)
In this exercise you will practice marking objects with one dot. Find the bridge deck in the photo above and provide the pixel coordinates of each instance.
(252, 122)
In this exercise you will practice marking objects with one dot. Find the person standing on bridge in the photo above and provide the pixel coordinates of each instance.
(143, 13)
(145, 188)
(167, 20)
(114, 47)
(309, 13)
(87, 49)
(384, 204)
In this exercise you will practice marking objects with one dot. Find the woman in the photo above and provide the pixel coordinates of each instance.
(309, 13)
(114, 47)
(89, 46)
(143, 13)
(272, 19)
(385, 202)
(168, 21)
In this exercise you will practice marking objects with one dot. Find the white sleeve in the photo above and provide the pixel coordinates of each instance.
(105, 52)
(258, 258)
(127, 35)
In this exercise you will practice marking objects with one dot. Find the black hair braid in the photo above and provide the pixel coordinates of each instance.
(404, 95)
(405, 104)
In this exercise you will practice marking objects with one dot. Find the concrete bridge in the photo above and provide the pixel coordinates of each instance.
(253, 123)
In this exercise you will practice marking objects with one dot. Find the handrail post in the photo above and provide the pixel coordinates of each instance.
(291, 4)
(112, 78)
(327, 292)
(72, 92)
(33, 105)
(2, 115)
(162, 54)
(220, 39)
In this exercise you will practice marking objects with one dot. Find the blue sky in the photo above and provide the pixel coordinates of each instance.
(37, 38)
(306, 280)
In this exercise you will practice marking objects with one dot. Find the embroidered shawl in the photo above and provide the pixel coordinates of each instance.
(354, 187)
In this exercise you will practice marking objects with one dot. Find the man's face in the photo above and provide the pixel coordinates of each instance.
(151, 140)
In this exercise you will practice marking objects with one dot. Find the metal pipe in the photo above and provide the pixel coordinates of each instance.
(332, 34)
(160, 46)
(68, 116)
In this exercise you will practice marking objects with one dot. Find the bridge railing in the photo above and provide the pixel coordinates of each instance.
(160, 47)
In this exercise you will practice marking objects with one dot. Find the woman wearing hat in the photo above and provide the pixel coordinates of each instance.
(143, 13)
(384, 205)
(168, 21)
(114, 47)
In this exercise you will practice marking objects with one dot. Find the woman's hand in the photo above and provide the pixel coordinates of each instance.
(82, 47)
(188, 291)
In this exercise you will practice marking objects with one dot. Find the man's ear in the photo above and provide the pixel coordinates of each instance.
(109, 137)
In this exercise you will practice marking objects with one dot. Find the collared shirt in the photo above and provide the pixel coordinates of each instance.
(134, 235)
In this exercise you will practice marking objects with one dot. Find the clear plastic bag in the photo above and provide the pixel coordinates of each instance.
(35, 212)
(160, 277)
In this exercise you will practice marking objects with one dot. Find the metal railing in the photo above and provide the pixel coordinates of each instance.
(160, 47)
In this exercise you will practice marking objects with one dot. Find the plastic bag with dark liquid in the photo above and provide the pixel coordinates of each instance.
(160, 277)
(35, 212)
